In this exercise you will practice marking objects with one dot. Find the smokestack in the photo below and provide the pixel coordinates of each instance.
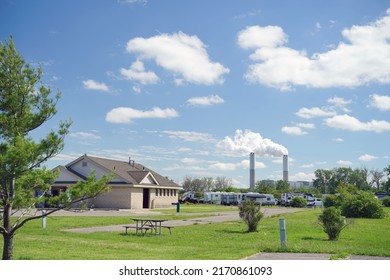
(285, 168)
(252, 171)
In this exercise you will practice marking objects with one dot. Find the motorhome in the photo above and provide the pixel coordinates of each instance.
(286, 198)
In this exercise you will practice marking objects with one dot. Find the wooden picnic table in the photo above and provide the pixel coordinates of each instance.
(144, 224)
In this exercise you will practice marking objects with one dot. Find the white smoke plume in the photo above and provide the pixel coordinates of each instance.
(245, 142)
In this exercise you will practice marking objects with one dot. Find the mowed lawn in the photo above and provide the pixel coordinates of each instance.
(216, 241)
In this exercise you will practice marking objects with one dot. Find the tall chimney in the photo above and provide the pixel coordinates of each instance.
(252, 171)
(285, 168)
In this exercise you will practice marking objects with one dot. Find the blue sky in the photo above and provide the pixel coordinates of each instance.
(190, 88)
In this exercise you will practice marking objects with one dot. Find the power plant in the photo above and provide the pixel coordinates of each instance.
(285, 168)
(252, 178)
(252, 162)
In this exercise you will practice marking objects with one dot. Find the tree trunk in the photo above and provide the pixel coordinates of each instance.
(8, 248)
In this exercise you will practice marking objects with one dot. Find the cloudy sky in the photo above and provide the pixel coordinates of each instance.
(190, 88)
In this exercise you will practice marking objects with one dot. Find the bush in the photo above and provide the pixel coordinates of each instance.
(332, 200)
(362, 205)
(386, 201)
(250, 213)
(332, 222)
(298, 201)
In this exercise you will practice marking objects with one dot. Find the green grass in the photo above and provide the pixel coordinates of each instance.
(227, 240)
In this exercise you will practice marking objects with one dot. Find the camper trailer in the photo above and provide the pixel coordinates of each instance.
(231, 198)
(261, 199)
(286, 198)
(212, 197)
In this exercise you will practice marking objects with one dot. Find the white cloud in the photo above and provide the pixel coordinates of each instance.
(233, 166)
(381, 102)
(245, 142)
(301, 176)
(338, 139)
(133, 1)
(309, 113)
(223, 166)
(361, 58)
(293, 130)
(341, 103)
(344, 162)
(348, 122)
(367, 157)
(85, 135)
(190, 136)
(205, 100)
(254, 37)
(127, 115)
(182, 54)
(306, 125)
(137, 73)
(246, 164)
(93, 85)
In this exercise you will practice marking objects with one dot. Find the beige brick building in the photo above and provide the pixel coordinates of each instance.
(134, 186)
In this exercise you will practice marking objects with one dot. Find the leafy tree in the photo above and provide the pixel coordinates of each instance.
(386, 185)
(221, 183)
(282, 186)
(376, 177)
(322, 181)
(25, 105)
(265, 186)
(251, 214)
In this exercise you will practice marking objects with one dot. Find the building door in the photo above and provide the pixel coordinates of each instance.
(145, 203)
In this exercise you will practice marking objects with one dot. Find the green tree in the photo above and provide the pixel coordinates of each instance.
(282, 186)
(386, 185)
(322, 181)
(265, 186)
(25, 105)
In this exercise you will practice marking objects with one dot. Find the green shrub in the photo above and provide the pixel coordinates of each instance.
(362, 205)
(386, 201)
(298, 201)
(251, 214)
(332, 222)
(332, 200)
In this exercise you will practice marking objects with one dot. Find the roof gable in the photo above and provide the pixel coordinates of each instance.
(126, 172)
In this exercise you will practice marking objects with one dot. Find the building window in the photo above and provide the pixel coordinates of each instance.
(164, 192)
(85, 164)
(156, 192)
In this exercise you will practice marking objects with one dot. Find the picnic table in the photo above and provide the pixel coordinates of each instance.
(142, 225)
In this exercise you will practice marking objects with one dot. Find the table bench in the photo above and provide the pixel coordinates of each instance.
(144, 225)
(137, 228)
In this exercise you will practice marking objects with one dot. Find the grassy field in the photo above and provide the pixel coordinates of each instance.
(223, 241)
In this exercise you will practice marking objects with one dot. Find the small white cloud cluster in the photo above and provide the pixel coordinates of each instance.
(205, 100)
(127, 115)
(93, 85)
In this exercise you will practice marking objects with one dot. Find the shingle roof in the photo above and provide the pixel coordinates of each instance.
(133, 173)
